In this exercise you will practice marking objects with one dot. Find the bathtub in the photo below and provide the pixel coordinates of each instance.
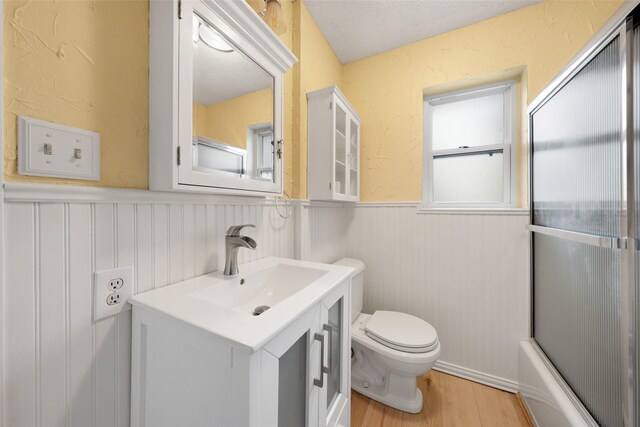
(548, 404)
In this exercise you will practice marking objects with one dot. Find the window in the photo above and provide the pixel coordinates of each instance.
(212, 156)
(468, 152)
(265, 154)
(260, 147)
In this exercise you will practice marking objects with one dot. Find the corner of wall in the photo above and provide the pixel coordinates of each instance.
(318, 67)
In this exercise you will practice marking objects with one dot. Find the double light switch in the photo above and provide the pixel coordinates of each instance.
(54, 150)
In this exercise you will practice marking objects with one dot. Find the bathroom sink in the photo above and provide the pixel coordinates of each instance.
(281, 289)
(263, 288)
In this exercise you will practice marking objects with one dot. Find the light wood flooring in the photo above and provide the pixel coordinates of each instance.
(448, 402)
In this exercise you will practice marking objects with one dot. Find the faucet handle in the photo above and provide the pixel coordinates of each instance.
(234, 230)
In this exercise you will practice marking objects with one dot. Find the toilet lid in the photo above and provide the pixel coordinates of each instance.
(401, 331)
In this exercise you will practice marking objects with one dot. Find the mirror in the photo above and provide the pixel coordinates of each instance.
(233, 109)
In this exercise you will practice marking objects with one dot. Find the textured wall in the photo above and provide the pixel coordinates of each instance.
(318, 68)
(387, 89)
(84, 64)
(227, 121)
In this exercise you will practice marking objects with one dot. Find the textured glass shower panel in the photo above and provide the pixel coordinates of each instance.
(576, 160)
(577, 320)
(636, 145)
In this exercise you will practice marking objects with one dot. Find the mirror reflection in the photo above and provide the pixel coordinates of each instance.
(232, 109)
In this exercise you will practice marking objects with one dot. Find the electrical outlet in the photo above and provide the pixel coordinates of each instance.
(114, 298)
(112, 290)
(115, 284)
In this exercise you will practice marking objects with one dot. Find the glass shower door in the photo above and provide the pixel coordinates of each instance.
(633, 298)
(579, 232)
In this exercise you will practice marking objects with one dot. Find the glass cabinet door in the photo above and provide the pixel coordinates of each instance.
(334, 329)
(292, 381)
(340, 141)
(354, 159)
(291, 370)
(334, 396)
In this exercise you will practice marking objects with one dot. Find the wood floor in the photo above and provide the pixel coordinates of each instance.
(448, 402)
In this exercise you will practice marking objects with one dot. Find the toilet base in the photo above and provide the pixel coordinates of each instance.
(413, 405)
(385, 374)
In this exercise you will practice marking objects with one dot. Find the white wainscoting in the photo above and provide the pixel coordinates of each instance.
(60, 368)
(466, 274)
(325, 236)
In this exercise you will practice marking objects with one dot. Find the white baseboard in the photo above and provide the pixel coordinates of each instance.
(477, 376)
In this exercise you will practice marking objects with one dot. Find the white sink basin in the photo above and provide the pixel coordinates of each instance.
(224, 306)
(266, 287)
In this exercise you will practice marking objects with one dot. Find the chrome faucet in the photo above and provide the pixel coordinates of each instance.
(232, 242)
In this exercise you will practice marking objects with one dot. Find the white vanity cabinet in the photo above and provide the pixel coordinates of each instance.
(334, 147)
(183, 375)
(306, 368)
(216, 98)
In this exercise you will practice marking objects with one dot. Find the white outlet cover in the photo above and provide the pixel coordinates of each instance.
(101, 291)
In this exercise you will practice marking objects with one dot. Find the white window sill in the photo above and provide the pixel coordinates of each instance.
(473, 211)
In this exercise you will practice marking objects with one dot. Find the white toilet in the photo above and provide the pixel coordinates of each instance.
(390, 350)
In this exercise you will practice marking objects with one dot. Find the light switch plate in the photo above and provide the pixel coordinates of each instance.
(54, 150)
(111, 291)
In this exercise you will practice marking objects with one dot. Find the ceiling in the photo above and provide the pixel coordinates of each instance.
(218, 76)
(356, 29)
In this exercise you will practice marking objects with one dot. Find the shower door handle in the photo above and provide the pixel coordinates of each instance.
(587, 239)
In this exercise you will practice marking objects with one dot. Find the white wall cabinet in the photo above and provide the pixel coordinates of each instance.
(301, 377)
(205, 56)
(334, 147)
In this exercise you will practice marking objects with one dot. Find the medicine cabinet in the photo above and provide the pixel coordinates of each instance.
(216, 98)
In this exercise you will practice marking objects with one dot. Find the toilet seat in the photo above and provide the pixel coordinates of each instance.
(402, 332)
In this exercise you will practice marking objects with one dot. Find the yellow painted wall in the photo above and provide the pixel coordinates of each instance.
(84, 64)
(387, 89)
(227, 121)
(318, 68)
(288, 135)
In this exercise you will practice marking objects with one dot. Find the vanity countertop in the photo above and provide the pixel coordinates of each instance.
(222, 306)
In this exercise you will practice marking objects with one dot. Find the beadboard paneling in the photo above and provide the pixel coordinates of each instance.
(467, 275)
(63, 369)
(326, 235)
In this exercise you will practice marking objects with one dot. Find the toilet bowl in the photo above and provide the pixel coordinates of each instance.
(390, 350)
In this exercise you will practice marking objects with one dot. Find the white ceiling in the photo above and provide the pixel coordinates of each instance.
(356, 29)
(218, 76)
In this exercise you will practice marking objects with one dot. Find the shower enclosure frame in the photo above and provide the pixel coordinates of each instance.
(621, 28)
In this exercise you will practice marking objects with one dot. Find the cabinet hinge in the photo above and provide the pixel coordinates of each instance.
(279, 149)
(178, 156)
(330, 105)
(179, 9)
(329, 186)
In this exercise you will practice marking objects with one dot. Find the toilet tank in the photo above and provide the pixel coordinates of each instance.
(357, 285)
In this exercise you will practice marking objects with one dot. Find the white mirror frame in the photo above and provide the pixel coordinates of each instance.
(171, 91)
